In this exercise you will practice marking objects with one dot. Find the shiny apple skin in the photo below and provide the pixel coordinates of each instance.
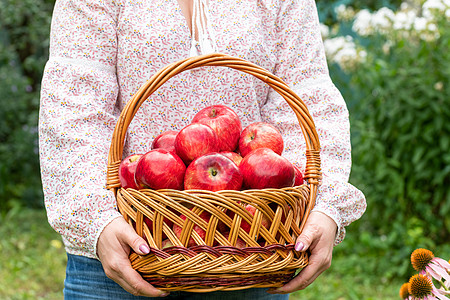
(127, 169)
(195, 140)
(160, 169)
(165, 140)
(260, 135)
(224, 121)
(263, 168)
(213, 172)
(235, 157)
(298, 176)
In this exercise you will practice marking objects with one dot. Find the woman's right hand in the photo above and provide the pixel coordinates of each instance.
(113, 248)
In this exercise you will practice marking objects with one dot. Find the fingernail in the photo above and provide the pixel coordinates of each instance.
(299, 246)
(164, 294)
(144, 249)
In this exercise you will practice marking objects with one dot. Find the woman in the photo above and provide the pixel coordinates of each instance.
(102, 51)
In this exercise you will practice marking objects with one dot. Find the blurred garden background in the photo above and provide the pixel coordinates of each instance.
(391, 61)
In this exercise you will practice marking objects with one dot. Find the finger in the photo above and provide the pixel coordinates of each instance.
(113, 249)
(133, 283)
(305, 239)
(306, 276)
(133, 240)
(315, 267)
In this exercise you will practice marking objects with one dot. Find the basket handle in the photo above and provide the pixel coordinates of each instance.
(312, 172)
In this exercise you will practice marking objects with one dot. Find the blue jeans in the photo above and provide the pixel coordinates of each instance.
(85, 279)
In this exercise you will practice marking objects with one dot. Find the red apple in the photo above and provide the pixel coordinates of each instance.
(298, 176)
(252, 210)
(263, 168)
(235, 157)
(202, 233)
(195, 140)
(165, 140)
(127, 168)
(213, 172)
(160, 169)
(260, 135)
(224, 121)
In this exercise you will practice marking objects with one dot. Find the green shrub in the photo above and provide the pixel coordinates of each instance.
(24, 35)
(399, 102)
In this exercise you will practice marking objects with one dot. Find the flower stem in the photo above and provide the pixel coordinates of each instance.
(443, 285)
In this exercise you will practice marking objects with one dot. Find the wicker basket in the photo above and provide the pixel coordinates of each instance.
(215, 263)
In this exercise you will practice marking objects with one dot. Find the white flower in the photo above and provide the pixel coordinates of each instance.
(362, 54)
(344, 13)
(362, 24)
(435, 4)
(331, 45)
(340, 10)
(431, 7)
(432, 27)
(420, 24)
(439, 86)
(325, 31)
(404, 6)
(383, 17)
(345, 54)
(404, 20)
(430, 33)
(342, 50)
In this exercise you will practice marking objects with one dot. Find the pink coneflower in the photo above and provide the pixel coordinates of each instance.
(404, 292)
(425, 262)
(421, 287)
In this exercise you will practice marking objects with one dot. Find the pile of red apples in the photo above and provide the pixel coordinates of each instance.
(213, 153)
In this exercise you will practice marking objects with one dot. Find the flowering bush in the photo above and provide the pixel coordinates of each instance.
(433, 271)
(328, 10)
(393, 68)
(412, 22)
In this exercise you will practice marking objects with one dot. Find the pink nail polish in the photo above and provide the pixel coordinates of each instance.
(299, 246)
(144, 249)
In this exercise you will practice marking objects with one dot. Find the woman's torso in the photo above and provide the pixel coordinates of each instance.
(153, 34)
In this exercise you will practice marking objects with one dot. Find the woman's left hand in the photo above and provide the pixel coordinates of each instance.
(318, 236)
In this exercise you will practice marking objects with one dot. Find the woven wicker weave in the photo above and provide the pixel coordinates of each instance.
(269, 258)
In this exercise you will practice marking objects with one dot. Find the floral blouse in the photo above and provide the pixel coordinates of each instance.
(102, 51)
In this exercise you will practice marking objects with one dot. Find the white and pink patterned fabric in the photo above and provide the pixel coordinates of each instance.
(102, 51)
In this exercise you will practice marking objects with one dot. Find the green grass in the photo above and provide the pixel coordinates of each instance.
(32, 261)
(334, 284)
(32, 266)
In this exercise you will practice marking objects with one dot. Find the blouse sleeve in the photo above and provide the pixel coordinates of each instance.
(77, 118)
(301, 63)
